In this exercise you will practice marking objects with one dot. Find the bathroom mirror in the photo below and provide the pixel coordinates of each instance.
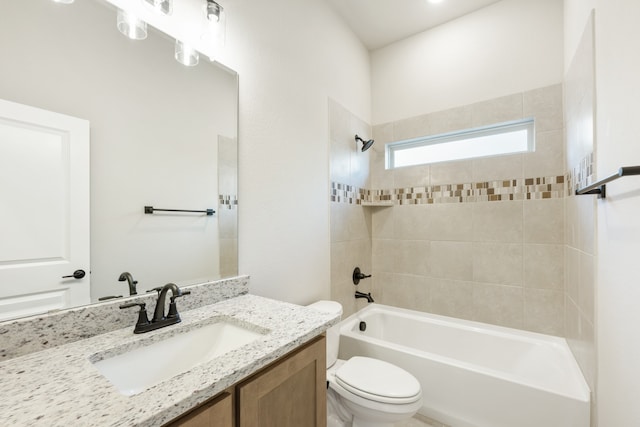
(161, 134)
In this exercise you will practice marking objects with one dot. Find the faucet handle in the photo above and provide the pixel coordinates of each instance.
(143, 320)
(172, 298)
(157, 289)
(173, 308)
(109, 297)
(133, 304)
(358, 275)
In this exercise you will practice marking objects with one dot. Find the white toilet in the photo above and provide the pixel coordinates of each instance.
(365, 392)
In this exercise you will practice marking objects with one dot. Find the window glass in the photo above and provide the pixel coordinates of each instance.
(499, 139)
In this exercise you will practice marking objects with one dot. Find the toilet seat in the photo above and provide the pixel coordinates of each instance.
(378, 381)
(367, 392)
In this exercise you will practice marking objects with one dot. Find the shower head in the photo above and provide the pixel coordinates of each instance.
(365, 144)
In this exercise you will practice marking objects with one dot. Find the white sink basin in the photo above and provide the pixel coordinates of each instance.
(143, 367)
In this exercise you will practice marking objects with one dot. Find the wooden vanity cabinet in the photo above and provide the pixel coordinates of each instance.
(216, 412)
(290, 392)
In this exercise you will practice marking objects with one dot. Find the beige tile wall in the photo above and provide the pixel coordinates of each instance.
(500, 262)
(351, 243)
(227, 212)
(580, 211)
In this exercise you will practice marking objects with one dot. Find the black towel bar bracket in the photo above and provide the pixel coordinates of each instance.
(600, 187)
(151, 210)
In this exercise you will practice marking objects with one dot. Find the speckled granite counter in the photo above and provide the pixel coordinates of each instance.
(41, 332)
(61, 387)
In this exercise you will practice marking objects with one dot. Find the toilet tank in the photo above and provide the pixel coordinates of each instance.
(333, 333)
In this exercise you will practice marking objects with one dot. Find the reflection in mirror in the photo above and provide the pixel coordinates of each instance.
(161, 134)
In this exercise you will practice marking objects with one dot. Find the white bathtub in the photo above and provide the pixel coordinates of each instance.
(474, 374)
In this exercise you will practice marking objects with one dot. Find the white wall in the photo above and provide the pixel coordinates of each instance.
(576, 14)
(618, 231)
(291, 56)
(509, 47)
(618, 290)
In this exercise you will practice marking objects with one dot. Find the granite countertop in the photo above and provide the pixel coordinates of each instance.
(61, 387)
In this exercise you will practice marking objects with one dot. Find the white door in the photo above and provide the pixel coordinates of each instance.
(44, 210)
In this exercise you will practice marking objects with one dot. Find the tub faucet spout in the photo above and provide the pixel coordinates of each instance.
(363, 295)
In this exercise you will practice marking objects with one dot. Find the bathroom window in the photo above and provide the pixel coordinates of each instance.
(503, 138)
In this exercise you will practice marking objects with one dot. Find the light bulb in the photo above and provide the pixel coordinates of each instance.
(163, 7)
(213, 11)
(131, 26)
(213, 29)
(186, 55)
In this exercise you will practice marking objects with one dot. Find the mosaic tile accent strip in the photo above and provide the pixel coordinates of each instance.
(344, 193)
(487, 191)
(581, 175)
(229, 201)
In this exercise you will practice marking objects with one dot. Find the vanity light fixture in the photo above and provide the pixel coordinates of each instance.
(435, 1)
(131, 26)
(186, 55)
(164, 7)
(64, 1)
(213, 32)
(213, 11)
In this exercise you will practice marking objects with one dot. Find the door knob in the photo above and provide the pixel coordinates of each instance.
(78, 274)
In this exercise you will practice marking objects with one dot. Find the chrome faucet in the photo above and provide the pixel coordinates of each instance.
(363, 295)
(132, 283)
(159, 319)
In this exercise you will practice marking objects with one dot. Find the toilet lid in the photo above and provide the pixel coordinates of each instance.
(378, 380)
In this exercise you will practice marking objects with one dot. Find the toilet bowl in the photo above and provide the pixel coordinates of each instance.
(362, 391)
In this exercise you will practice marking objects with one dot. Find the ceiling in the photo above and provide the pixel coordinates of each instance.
(378, 23)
